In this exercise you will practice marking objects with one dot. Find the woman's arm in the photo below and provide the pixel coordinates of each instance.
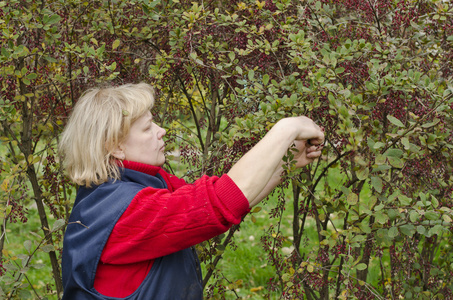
(258, 171)
(159, 222)
(301, 149)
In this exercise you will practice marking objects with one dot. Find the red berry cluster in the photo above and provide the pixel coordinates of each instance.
(338, 250)
(191, 156)
(395, 104)
(323, 255)
(17, 201)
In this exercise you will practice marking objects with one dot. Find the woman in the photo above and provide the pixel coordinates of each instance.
(133, 224)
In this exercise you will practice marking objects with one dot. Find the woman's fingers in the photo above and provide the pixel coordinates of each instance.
(314, 154)
(314, 151)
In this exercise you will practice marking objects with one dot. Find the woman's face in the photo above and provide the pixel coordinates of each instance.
(144, 143)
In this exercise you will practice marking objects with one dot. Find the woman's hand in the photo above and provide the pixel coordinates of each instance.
(305, 129)
(305, 153)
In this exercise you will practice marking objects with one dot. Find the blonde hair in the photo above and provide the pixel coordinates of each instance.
(99, 122)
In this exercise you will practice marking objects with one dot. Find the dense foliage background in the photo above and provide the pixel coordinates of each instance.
(377, 74)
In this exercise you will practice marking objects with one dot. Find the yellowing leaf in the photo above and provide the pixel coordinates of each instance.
(256, 289)
(362, 173)
(4, 185)
(352, 198)
(256, 209)
(115, 44)
(260, 4)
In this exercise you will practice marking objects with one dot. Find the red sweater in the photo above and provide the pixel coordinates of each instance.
(163, 221)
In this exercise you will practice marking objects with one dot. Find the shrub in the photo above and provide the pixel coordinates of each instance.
(376, 74)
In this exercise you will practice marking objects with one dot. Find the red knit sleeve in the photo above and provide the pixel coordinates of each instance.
(159, 222)
(172, 181)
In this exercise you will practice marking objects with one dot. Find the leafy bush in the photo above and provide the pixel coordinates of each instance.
(376, 74)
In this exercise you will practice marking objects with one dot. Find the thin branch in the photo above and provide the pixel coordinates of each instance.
(192, 109)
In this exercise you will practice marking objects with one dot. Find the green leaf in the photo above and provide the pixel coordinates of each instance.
(421, 229)
(392, 152)
(371, 86)
(372, 202)
(339, 70)
(376, 182)
(251, 75)
(407, 229)
(395, 121)
(231, 55)
(432, 215)
(352, 198)
(433, 123)
(379, 207)
(395, 162)
(365, 227)
(406, 143)
(381, 218)
(393, 214)
(52, 20)
(27, 245)
(437, 229)
(404, 200)
(58, 224)
(50, 59)
(414, 216)
(24, 294)
(193, 55)
(361, 266)
(332, 99)
(265, 79)
(434, 202)
(241, 81)
(378, 145)
(32, 76)
(446, 218)
(48, 248)
(393, 232)
(4, 52)
(362, 173)
(380, 159)
(112, 67)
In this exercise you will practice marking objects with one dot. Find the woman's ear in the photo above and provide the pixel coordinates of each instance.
(118, 153)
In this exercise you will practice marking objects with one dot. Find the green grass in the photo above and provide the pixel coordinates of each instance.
(39, 272)
(248, 262)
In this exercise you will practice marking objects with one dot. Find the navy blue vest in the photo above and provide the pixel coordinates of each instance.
(96, 211)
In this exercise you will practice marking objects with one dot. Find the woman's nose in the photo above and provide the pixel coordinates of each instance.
(162, 132)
